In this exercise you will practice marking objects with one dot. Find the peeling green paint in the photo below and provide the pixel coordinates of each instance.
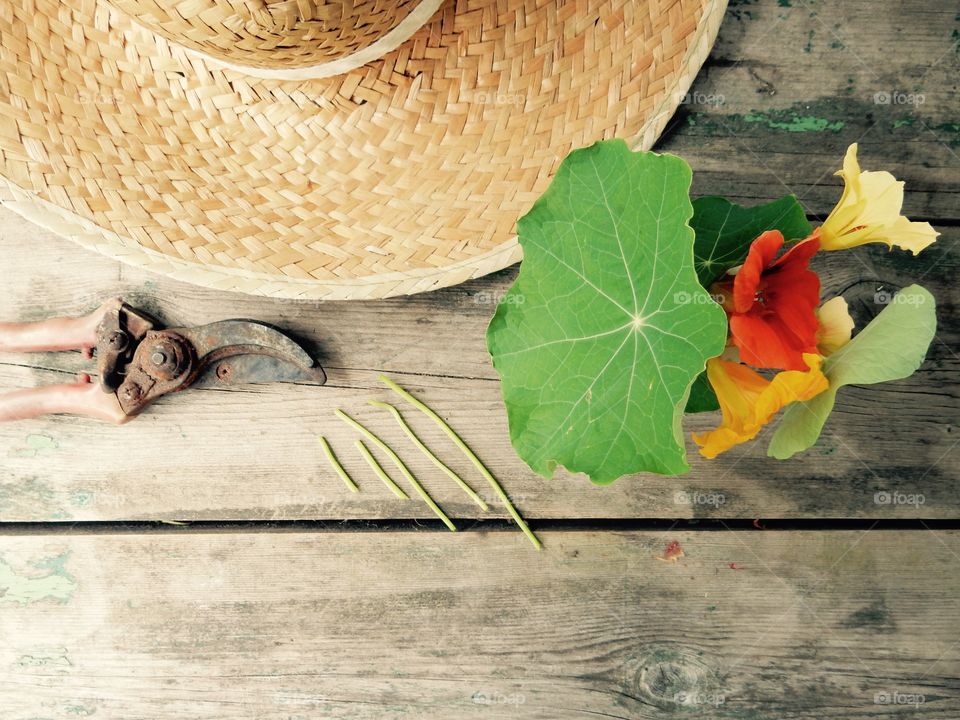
(35, 444)
(81, 710)
(45, 657)
(734, 11)
(795, 123)
(951, 128)
(82, 498)
(56, 564)
(42, 442)
(51, 581)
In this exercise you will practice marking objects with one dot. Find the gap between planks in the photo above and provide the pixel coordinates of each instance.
(469, 525)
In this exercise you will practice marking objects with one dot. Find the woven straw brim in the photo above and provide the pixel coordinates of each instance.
(271, 34)
(405, 175)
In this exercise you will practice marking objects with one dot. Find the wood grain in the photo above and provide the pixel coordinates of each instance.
(252, 453)
(788, 87)
(294, 625)
(790, 84)
(271, 626)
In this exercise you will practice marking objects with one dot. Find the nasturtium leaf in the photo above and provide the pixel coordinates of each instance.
(724, 232)
(599, 339)
(891, 347)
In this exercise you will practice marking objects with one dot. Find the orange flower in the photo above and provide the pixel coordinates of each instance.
(748, 401)
(772, 303)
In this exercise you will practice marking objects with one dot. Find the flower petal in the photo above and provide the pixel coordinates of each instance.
(836, 325)
(748, 401)
(763, 250)
(766, 342)
(869, 211)
(773, 321)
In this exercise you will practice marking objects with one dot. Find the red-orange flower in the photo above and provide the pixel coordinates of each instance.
(772, 303)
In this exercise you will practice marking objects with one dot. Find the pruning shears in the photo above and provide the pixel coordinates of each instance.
(139, 361)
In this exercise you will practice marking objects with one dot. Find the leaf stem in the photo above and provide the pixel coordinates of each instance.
(429, 453)
(337, 466)
(469, 453)
(379, 471)
(399, 463)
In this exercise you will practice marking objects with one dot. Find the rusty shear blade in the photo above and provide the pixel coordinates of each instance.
(239, 352)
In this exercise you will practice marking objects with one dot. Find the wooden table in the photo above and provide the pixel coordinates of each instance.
(203, 562)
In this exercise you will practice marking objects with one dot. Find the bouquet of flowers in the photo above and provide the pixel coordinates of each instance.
(635, 305)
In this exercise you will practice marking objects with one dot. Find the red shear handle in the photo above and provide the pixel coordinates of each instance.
(81, 398)
(55, 334)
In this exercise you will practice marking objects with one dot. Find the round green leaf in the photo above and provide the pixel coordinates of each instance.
(598, 341)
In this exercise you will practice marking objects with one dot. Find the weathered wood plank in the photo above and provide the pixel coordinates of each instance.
(791, 83)
(797, 81)
(809, 625)
(252, 453)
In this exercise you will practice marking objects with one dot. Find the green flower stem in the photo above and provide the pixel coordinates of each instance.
(380, 472)
(429, 453)
(399, 463)
(469, 453)
(336, 465)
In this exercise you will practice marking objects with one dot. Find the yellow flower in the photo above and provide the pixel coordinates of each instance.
(836, 325)
(748, 401)
(869, 211)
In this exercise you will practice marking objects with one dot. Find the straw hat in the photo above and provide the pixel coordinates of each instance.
(322, 148)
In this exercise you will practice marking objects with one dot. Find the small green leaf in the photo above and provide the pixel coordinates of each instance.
(605, 329)
(724, 231)
(702, 396)
(891, 347)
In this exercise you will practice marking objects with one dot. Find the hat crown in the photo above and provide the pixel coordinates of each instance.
(274, 33)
